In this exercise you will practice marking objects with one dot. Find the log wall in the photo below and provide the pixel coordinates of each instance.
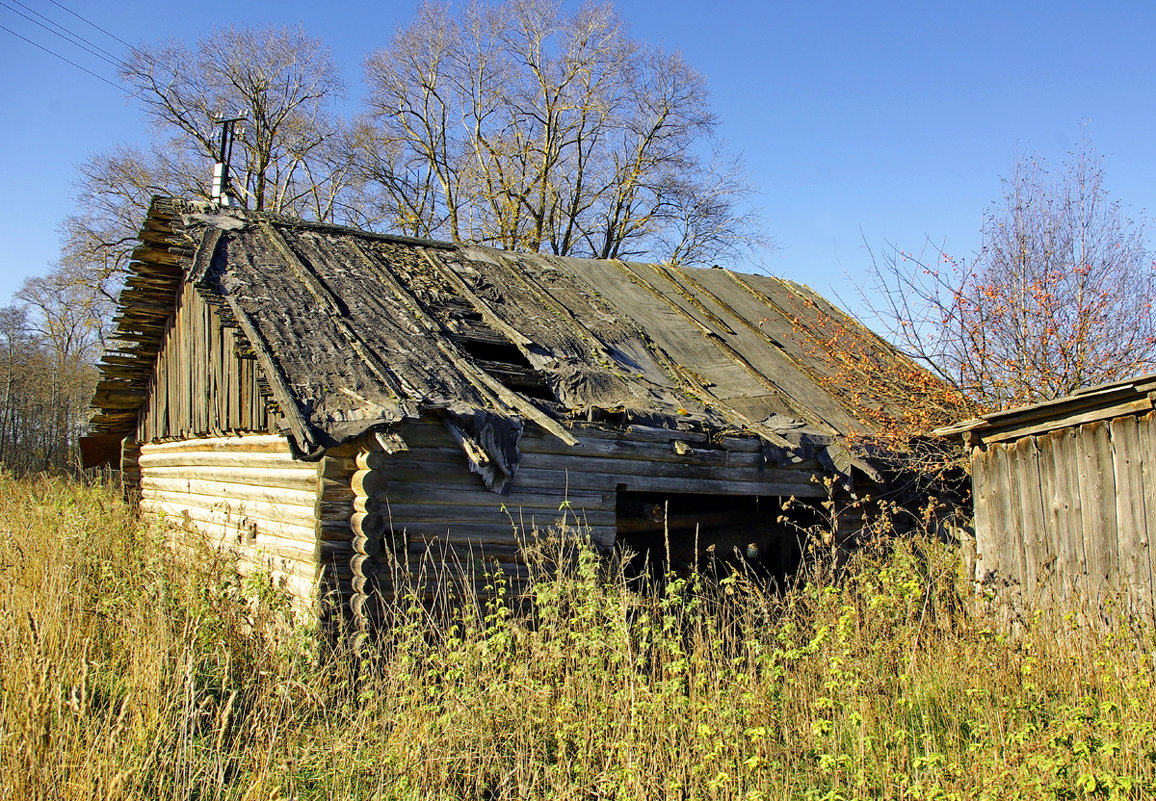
(405, 504)
(205, 380)
(420, 509)
(1068, 516)
(248, 495)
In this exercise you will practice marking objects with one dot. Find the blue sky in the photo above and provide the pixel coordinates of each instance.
(859, 121)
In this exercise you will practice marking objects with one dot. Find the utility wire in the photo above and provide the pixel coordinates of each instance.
(62, 58)
(66, 30)
(89, 50)
(93, 24)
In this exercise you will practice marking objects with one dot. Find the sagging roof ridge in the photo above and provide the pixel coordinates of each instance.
(208, 211)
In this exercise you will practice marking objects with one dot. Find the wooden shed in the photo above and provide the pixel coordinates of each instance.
(1065, 498)
(332, 403)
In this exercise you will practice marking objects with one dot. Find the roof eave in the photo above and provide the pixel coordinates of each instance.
(1131, 396)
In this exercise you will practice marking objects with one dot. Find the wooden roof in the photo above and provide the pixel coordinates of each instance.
(353, 330)
(1132, 396)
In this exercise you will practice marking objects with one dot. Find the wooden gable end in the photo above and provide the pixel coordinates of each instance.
(205, 382)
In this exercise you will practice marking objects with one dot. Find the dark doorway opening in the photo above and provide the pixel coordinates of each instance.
(709, 533)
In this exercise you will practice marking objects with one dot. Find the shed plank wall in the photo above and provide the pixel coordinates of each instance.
(1061, 497)
(1129, 502)
(1146, 431)
(246, 494)
(1068, 515)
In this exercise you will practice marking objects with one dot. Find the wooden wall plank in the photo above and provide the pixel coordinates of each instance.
(986, 516)
(1017, 531)
(1098, 511)
(219, 390)
(223, 459)
(238, 381)
(512, 516)
(289, 478)
(1146, 429)
(469, 547)
(1052, 585)
(528, 497)
(451, 467)
(1106, 501)
(601, 445)
(1037, 551)
(238, 509)
(1006, 538)
(1127, 464)
(239, 443)
(620, 447)
(1071, 562)
(451, 457)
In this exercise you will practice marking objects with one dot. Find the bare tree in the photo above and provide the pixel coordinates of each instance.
(15, 355)
(283, 82)
(1059, 296)
(49, 342)
(289, 157)
(67, 320)
(527, 128)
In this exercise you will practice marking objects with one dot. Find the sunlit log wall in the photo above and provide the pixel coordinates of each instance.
(244, 491)
(1068, 516)
(247, 494)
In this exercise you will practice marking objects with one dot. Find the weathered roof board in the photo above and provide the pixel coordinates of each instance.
(1131, 396)
(354, 330)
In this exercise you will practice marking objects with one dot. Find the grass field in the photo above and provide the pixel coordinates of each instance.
(128, 672)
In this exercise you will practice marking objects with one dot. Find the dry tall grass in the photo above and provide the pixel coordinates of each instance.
(130, 673)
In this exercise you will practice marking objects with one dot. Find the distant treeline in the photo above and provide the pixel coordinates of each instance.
(49, 342)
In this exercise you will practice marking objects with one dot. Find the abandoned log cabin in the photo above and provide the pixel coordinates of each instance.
(1065, 499)
(332, 403)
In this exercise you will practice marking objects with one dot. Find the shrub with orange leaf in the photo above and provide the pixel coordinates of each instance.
(1060, 295)
(896, 402)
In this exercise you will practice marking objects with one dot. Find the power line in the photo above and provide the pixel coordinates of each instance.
(93, 24)
(64, 28)
(89, 50)
(62, 58)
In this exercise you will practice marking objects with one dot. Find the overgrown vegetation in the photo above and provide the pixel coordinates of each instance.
(128, 672)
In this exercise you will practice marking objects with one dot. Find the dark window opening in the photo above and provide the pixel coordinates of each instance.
(507, 364)
(495, 352)
(743, 532)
